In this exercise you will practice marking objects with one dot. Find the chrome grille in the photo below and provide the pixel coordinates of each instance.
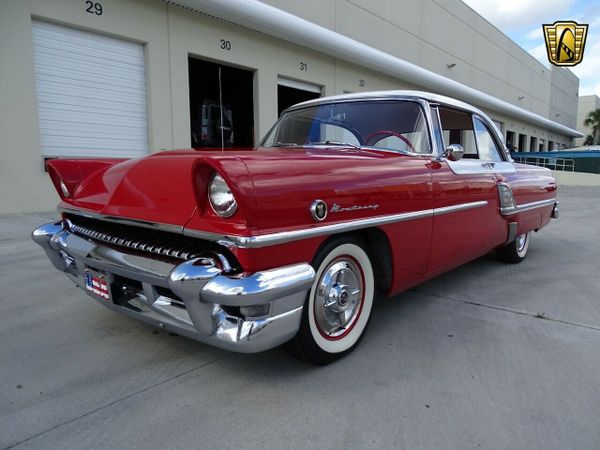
(156, 242)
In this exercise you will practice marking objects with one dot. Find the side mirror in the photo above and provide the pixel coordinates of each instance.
(453, 152)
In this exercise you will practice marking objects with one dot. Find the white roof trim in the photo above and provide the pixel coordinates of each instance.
(272, 21)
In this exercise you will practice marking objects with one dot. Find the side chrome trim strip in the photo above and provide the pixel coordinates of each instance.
(282, 237)
(527, 206)
(290, 236)
(461, 207)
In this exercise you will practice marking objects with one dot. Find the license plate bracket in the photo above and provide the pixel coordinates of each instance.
(97, 284)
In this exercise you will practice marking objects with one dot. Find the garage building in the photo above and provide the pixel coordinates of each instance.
(119, 79)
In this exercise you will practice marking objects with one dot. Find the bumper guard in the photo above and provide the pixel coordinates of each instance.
(141, 287)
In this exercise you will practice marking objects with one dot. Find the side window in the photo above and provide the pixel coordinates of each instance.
(485, 142)
(457, 127)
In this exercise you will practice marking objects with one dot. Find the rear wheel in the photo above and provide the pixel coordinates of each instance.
(516, 251)
(338, 306)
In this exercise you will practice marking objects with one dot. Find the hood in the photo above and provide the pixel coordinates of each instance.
(157, 188)
(274, 187)
(362, 183)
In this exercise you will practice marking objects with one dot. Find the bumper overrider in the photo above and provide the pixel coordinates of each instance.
(244, 313)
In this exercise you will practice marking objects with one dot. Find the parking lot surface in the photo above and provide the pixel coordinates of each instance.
(486, 356)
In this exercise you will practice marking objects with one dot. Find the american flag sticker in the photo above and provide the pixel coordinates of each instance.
(96, 284)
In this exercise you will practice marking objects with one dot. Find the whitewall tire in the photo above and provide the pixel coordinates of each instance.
(338, 307)
(516, 251)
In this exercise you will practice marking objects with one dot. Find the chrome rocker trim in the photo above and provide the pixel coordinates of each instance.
(205, 290)
(505, 211)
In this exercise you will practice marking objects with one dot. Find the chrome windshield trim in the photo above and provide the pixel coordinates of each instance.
(283, 237)
(528, 206)
(420, 100)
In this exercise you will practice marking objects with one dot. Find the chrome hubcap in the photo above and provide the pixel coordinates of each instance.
(338, 297)
(521, 241)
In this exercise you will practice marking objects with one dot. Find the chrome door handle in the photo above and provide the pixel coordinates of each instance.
(488, 165)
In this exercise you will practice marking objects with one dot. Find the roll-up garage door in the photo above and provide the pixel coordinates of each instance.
(91, 93)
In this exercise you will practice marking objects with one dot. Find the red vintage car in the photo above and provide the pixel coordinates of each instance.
(289, 243)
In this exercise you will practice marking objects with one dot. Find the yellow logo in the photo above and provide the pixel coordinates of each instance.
(565, 42)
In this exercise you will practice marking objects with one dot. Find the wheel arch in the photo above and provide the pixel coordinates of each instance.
(378, 248)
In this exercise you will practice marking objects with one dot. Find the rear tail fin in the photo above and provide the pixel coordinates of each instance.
(67, 174)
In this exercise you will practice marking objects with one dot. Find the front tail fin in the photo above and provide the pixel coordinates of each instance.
(67, 174)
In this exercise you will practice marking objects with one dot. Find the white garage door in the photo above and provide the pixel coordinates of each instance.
(91, 92)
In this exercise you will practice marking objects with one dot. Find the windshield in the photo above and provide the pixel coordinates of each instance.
(396, 125)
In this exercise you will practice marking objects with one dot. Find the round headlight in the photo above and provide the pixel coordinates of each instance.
(221, 198)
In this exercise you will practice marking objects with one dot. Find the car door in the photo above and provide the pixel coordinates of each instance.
(466, 222)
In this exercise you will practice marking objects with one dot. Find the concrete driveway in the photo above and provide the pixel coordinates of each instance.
(487, 356)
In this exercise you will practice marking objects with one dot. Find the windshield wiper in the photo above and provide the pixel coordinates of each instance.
(336, 143)
(284, 144)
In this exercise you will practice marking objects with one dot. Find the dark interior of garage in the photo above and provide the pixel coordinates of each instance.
(288, 96)
(221, 105)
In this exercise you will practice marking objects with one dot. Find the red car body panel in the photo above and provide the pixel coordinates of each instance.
(275, 187)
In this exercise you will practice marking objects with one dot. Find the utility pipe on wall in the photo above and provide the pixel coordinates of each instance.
(272, 21)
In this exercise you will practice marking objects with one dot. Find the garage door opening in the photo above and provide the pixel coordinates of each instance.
(522, 143)
(290, 92)
(91, 93)
(221, 105)
(510, 140)
(533, 144)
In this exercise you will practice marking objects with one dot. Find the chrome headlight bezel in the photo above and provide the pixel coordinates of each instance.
(220, 197)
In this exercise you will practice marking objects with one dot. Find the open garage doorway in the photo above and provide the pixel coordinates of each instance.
(221, 105)
(290, 92)
(522, 143)
(533, 144)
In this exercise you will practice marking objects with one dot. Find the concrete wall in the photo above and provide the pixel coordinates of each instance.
(24, 186)
(587, 103)
(435, 33)
(576, 179)
(429, 33)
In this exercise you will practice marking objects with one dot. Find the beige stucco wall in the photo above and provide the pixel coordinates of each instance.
(24, 186)
(427, 32)
(435, 33)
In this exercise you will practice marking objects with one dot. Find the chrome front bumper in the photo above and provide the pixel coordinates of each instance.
(207, 305)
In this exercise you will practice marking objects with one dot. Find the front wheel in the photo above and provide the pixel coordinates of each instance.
(516, 251)
(338, 306)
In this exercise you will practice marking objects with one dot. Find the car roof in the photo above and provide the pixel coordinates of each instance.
(395, 94)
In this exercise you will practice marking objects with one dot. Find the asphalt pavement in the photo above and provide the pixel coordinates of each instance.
(486, 356)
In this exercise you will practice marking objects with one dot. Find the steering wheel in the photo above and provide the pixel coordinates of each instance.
(385, 133)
